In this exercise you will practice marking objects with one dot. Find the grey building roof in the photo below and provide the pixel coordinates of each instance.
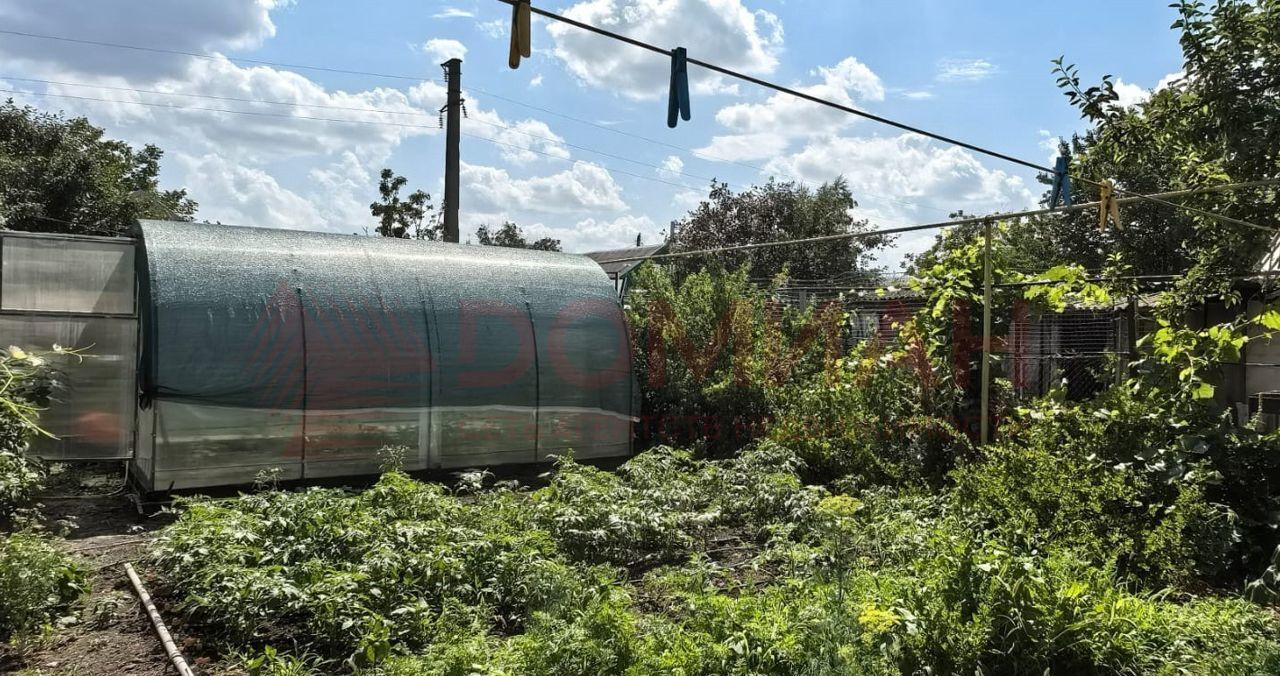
(622, 268)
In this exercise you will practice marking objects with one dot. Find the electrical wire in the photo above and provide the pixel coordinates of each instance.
(258, 113)
(872, 116)
(945, 224)
(212, 57)
(691, 152)
(329, 69)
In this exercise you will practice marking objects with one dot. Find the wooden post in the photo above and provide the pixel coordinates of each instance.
(985, 433)
(452, 152)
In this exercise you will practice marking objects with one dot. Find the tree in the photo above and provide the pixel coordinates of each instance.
(1217, 123)
(60, 174)
(510, 235)
(405, 218)
(778, 211)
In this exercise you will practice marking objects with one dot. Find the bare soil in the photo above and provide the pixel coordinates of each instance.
(109, 633)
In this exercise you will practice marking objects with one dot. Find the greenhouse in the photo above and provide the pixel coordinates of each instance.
(303, 354)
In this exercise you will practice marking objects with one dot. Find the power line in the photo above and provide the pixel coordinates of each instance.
(258, 113)
(215, 97)
(330, 69)
(945, 224)
(212, 57)
(237, 99)
(868, 115)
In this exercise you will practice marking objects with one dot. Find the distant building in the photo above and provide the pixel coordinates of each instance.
(627, 260)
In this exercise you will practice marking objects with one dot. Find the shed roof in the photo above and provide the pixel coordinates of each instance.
(622, 268)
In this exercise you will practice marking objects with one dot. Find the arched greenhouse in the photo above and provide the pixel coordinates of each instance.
(308, 352)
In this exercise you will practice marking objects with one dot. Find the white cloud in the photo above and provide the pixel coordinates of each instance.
(594, 235)
(763, 129)
(443, 49)
(744, 147)
(687, 200)
(584, 188)
(918, 95)
(536, 81)
(238, 195)
(906, 179)
(190, 25)
(671, 167)
(846, 83)
(495, 28)
(1131, 94)
(453, 13)
(965, 70)
(721, 31)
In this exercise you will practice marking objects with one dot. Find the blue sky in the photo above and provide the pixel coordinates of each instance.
(545, 148)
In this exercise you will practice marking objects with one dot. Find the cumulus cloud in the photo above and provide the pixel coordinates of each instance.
(671, 167)
(583, 188)
(721, 31)
(1131, 94)
(193, 25)
(907, 179)
(443, 49)
(847, 83)
(965, 70)
(238, 195)
(591, 234)
(744, 147)
(762, 130)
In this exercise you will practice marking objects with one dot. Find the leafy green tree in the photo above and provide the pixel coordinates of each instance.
(510, 235)
(1218, 122)
(778, 211)
(60, 174)
(403, 218)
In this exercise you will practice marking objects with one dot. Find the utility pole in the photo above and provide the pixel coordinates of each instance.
(452, 139)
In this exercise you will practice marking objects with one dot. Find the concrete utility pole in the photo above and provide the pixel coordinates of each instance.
(452, 139)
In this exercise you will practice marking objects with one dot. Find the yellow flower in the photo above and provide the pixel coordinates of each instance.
(877, 620)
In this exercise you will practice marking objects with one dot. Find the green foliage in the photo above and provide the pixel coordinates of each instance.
(62, 175)
(1107, 480)
(712, 350)
(403, 218)
(1215, 124)
(510, 235)
(353, 575)
(877, 416)
(779, 211)
(37, 582)
(663, 505)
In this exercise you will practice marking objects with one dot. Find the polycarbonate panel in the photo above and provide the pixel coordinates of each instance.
(62, 275)
(485, 408)
(367, 360)
(201, 445)
(92, 417)
(585, 373)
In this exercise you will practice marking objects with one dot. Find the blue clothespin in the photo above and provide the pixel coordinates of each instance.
(678, 101)
(1061, 182)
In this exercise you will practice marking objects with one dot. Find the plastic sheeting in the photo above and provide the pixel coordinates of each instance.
(78, 293)
(306, 353)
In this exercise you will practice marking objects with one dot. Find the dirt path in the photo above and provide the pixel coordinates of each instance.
(110, 634)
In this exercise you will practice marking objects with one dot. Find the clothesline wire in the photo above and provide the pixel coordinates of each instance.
(872, 116)
(944, 224)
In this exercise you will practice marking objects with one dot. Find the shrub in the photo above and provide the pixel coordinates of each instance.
(1106, 478)
(37, 582)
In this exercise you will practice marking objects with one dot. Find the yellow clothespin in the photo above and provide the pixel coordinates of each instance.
(1108, 208)
(521, 40)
